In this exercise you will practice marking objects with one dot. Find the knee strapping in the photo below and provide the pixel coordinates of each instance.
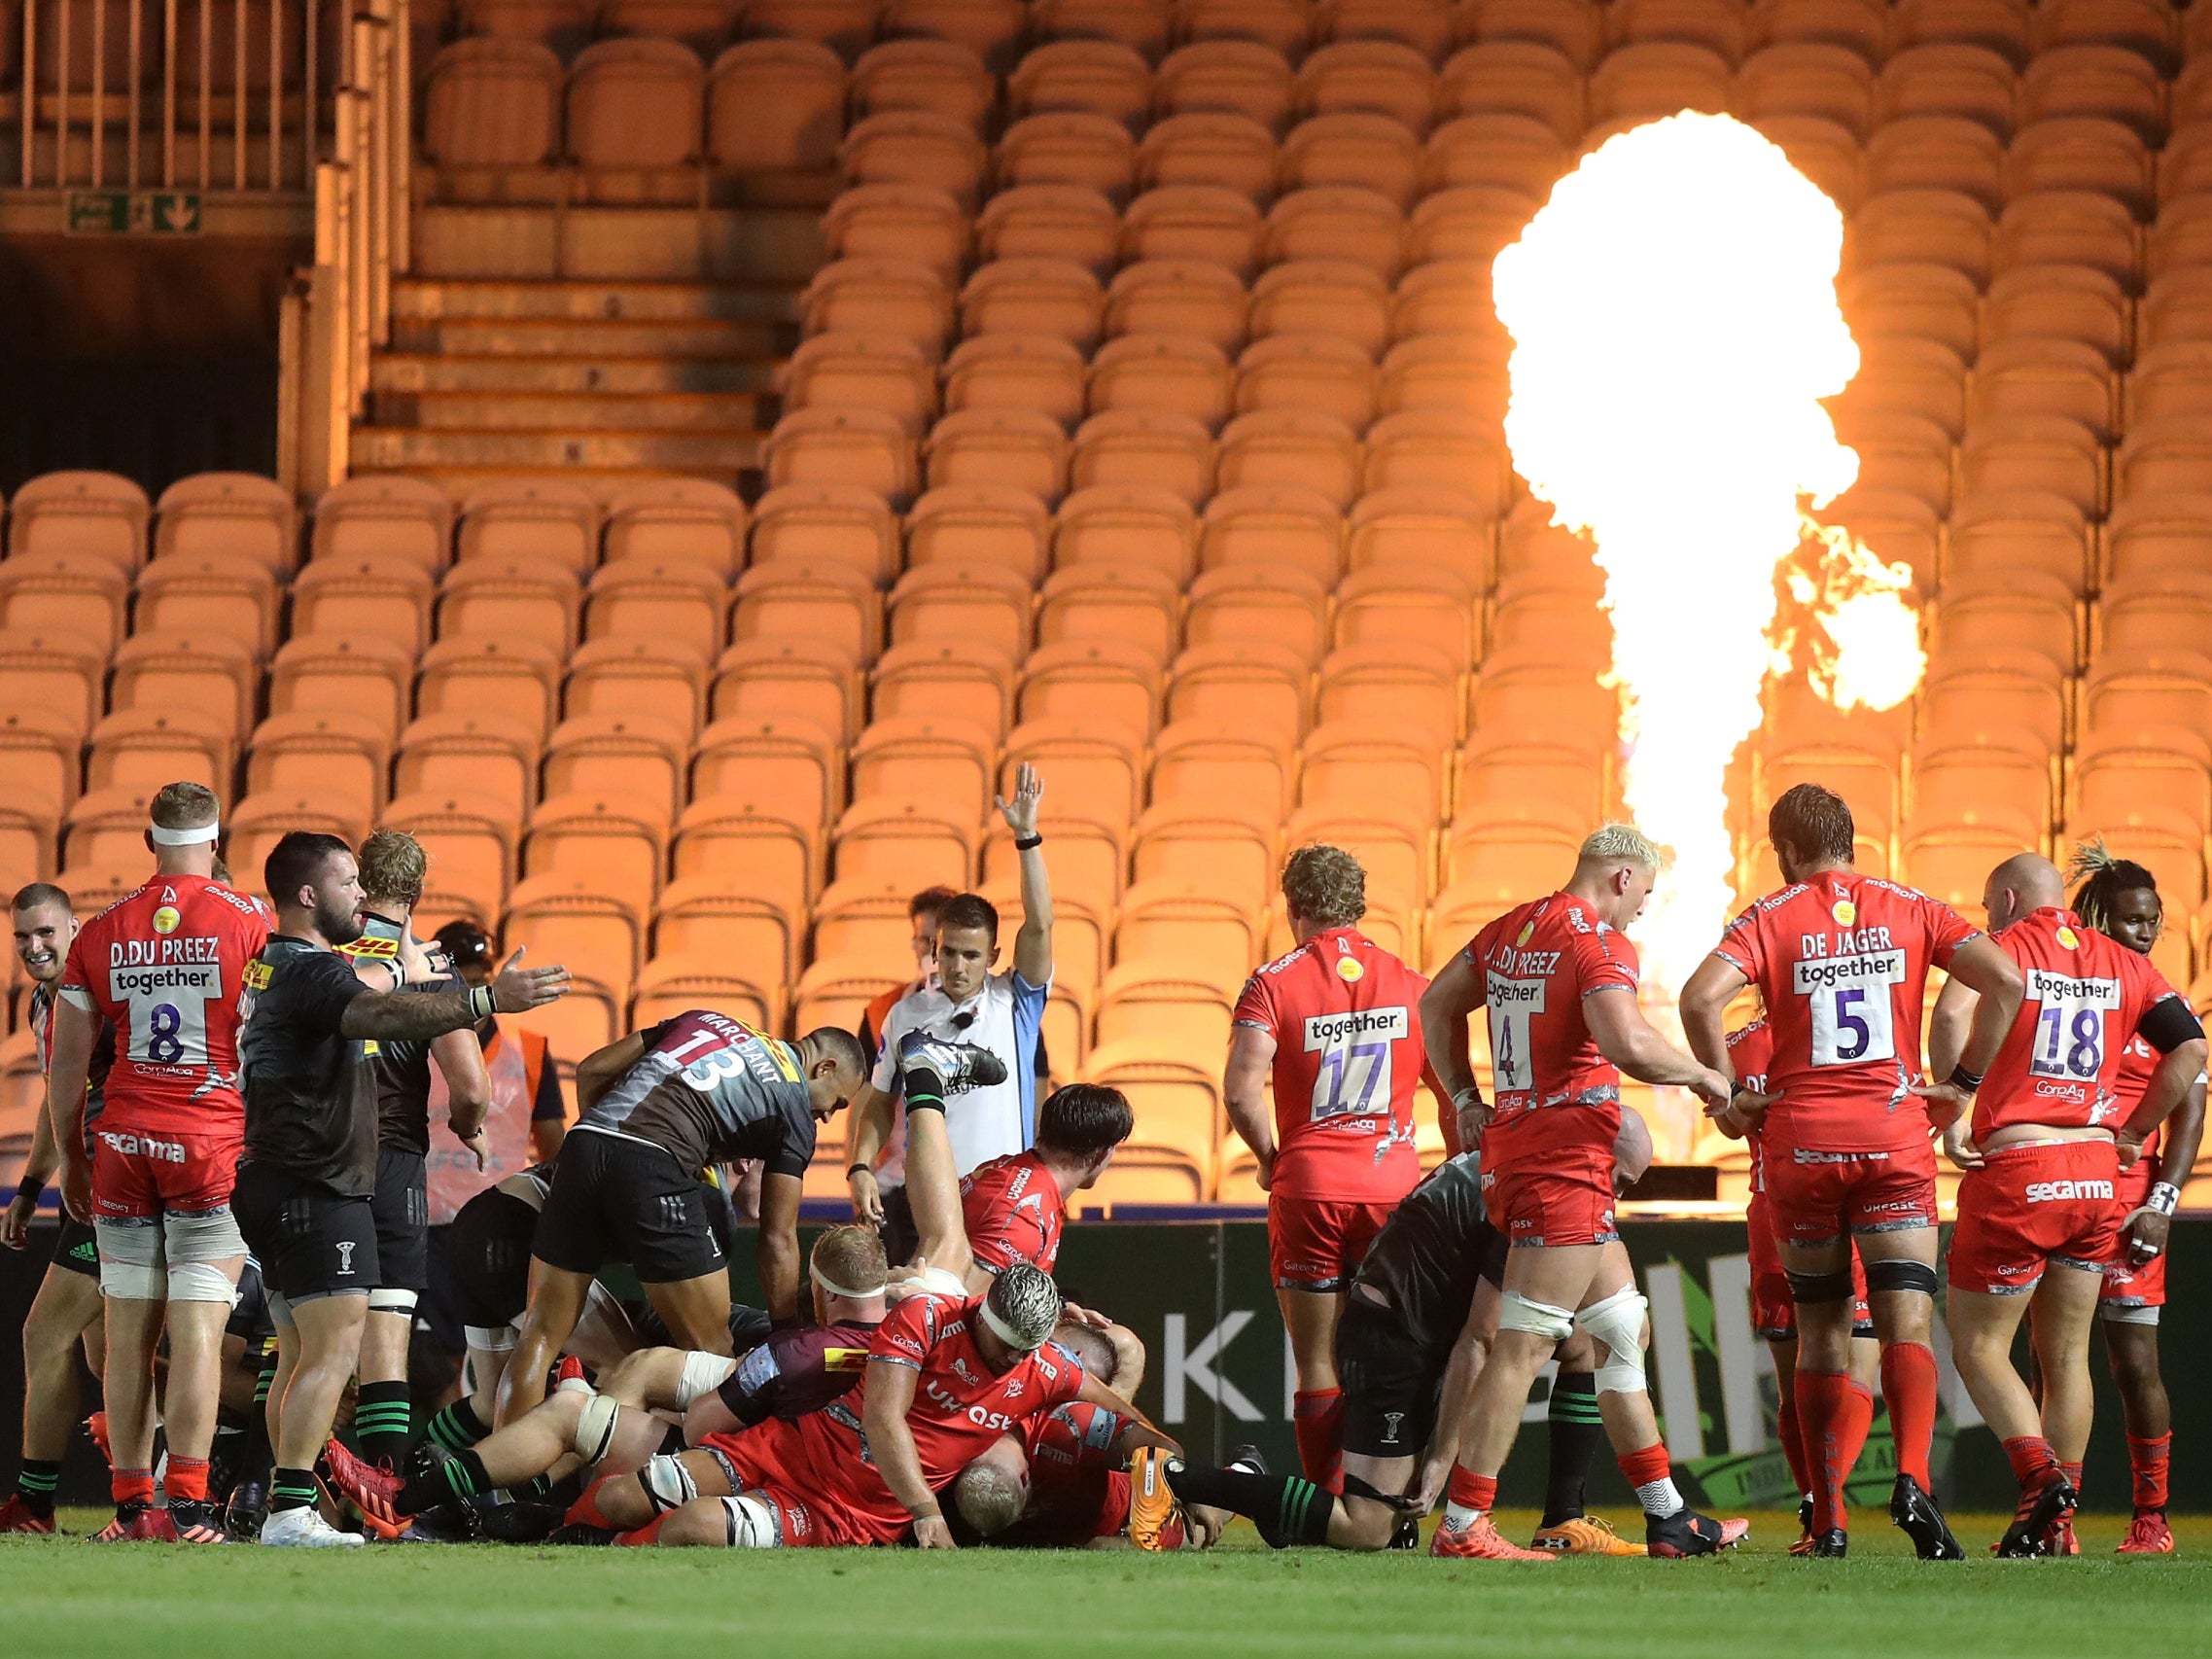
(1900, 1276)
(197, 1282)
(702, 1374)
(209, 1237)
(595, 1427)
(391, 1301)
(1833, 1285)
(668, 1484)
(1617, 1322)
(749, 1523)
(1515, 1312)
(132, 1267)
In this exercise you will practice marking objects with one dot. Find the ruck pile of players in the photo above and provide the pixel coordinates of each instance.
(238, 1094)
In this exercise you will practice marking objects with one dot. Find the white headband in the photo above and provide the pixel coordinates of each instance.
(162, 837)
(1005, 1333)
(836, 1289)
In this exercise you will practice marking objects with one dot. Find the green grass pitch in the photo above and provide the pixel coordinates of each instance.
(63, 1598)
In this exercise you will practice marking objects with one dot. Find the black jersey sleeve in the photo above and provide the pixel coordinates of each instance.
(319, 985)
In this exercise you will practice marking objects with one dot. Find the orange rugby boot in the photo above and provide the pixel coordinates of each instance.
(1585, 1534)
(1481, 1540)
(2147, 1535)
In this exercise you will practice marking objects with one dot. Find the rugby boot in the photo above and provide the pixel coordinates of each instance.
(1249, 1457)
(96, 1425)
(2060, 1539)
(1831, 1545)
(1585, 1534)
(1405, 1533)
(369, 1488)
(305, 1528)
(1685, 1532)
(577, 1533)
(951, 1067)
(137, 1522)
(1481, 1540)
(16, 1516)
(1914, 1512)
(1155, 1513)
(248, 1508)
(197, 1521)
(2147, 1534)
(2040, 1512)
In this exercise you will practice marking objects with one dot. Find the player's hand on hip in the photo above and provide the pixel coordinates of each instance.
(2146, 1232)
(77, 1188)
(931, 1532)
(1712, 1088)
(1959, 1146)
(518, 989)
(2129, 1147)
(1944, 1103)
(16, 1223)
(867, 1197)
(1020, 812)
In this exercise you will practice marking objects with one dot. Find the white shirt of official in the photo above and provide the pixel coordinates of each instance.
(989, 1120)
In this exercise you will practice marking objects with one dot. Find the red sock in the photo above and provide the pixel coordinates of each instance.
(648, 1533)
(1853, 1419)
(127, 1486)
(1647, 1466)
(2073, 1475)
(186, 1478)
(1821, 1410)
(586, 1510)
(1909, 1384)
(1318, 1418)
(1793, 1444)
(2147, 1467)
(1472, 1491)
(2033, 1461)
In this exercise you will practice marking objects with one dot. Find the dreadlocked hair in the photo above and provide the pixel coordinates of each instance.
(2103, 878)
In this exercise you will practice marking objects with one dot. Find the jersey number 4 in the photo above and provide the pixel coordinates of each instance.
(1513, 1004)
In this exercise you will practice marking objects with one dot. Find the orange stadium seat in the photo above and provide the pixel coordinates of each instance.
(703, 25)
(2166, 691)
(983, 523)
(778, 106)
(52, 676)
(1919, 377)
(234, 515)
(2046, 453)
(1136, 607)
(2073, 228)
(802, 527)
(1328, 298)
(1055, 297)
(1217, 765)
(1938, 152)
(1248, 76)
(1861, 25)
(550, 525)
(1468, 222)
(384, 516)
(1391, 686)
(1165, 1006)
(1215, 149)
(1649, 79)
(645, 681)
(2164, 771)
(1192, 302)
(2163, 458)
(1095, 76)
(613, 844)
(1313, 372)
(2019, 611)
(1096, 774)
(2006, 702)
(786, 759)
(1178, 1105)
(76, 594)
(388, 595)
(1067, 146)
(745, 844)
(1375, 77)
(341, 759)
(635, 120)
(1162, 374)
(1514, 76)
(491, 119)
(1575, 28)
(675, 605)
(1422, 26)
(1347, 765)
(1339, 222)
(134, 749)
(1259, 680)
(486, 760)
(1131, 448)
(843, 26)
(1206, 223)
(1516, 153)
(1037, 374)
(2007, 792)
(1951, 79)
(1118, 687)
(882, 373)
(1283, 527)
(945, 762)
(1146, 529)
(677, 520)
(1191, 844)
(1501, 779)
(1292, 449)
(1062, 221)
(959, 600)
(1492, 865)
(2146, 30)
(1930, 227)
(210, 678)
(941, 77)
(1443, 296)
(891, 221)
(856, 448)
(1717, 24)
(1242, 605)
(694, 916)
(804, 678)
(2174, 379)
(1433, 612)
(1416, 526)
(39, 761)
(915, 842)
(897, 298)
(508, 679)
(595, 936)
(900, 147)
(2153, 621)
(1808, 78)
(1539, 704)
(672, 984)
(837, 992)
(2062, 301)
(95, 514)
(1928, 300)
(107, 828)
(1354, 148)
(635, 761)
(522, 600)
(2045, 377)
(562, 24)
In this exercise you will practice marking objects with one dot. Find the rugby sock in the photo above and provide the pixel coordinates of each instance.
(2073, 1475)
(2032, 1460)
(1909, 1384)
(1576, 1430)
(186, 1479)
(1820, 1409)
(382, 1423)
(457, 1427)
(586, 1510)
(131, 1486)
(1285, 1508)
(462, 1475)
(1317, 1417)
(1468, 1497)
(1652, 1477)
(290, 1489)
(2146, 1467)
(648, 1533)
(39, 1476)
(255, 1459)
(1793, 1445)
(1854, 1421)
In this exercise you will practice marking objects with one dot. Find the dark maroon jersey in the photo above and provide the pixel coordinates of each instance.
(798, 1370)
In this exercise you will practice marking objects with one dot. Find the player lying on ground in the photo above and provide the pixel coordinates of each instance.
(1841, 961)
(1774, 1315)
(1559, 980)
(2037, 1211)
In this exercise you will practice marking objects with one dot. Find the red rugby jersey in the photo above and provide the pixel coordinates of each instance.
(1012, 1209)
(165, 965)
(1841, 962)
(1751, 1052)
(1556, 1100)
(2086, 995)
(1345, 1017)
(2137, 1061)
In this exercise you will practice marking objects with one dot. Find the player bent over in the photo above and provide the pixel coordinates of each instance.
(2036, 1211)
(1559, 980)
(2120, 900)
(1841, 961)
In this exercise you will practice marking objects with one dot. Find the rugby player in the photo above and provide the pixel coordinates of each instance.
(1841, 960)
(1000, 1012)
(162, 967)
(2120, 898)
(658, 1107)
(1333, 1025)
(2037, 1215)
(1774, 1315)
(66, 1310)
(1418, 1321)
(307, 1174)
(393, 871)
(1559, 980)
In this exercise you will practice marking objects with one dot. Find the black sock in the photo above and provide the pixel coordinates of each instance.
(537, 1489)
(290, 1489)
(35, 1485)
(382, 1423)
(462, 1475)
(1576, 1432)
(568, 1489)
(258, 1455)
(457, 1427)
(1286, 1508)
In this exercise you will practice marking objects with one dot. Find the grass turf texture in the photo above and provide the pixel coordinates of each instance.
(63, 1598)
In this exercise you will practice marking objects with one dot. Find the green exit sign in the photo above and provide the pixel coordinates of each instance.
(125, 213)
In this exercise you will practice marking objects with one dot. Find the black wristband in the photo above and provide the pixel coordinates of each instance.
(1027, 843)
(31, 1187)
(852, 1170)
(1963, 1080)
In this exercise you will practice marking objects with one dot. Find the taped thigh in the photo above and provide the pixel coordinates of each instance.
(702, 1374)
(197, 1282)
(390, 1299)
(1515, 1312)
(132, 1267)
(208, 1237)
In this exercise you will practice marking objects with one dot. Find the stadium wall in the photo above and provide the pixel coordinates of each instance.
(1219, 1375)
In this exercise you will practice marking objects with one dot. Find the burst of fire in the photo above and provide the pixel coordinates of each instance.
(1675, 325)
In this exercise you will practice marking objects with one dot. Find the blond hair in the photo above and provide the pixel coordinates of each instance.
(851, 1258)
(1324, 885)
(183, 806)
(1621, 844)
(394, 867)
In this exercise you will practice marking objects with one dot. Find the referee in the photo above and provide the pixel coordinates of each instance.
(308, 1170)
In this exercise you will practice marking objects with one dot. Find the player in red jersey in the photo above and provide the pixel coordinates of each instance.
(1774, 1315)
(1841, 961)
(2037, 1211)
(1335, 1025)
(1012, 1208)
(1559, 980)
(165, 965)
(2120, 898)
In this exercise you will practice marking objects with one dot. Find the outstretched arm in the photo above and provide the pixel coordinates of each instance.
(414, 1017)
(1032, 945)
(1626, 1037)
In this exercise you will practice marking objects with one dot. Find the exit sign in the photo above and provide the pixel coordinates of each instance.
(125, 213)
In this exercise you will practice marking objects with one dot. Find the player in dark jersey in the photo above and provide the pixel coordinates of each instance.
(308, 1170)
(658, 1107)
(66, 1310)
(617, 1429)
(393, 871)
